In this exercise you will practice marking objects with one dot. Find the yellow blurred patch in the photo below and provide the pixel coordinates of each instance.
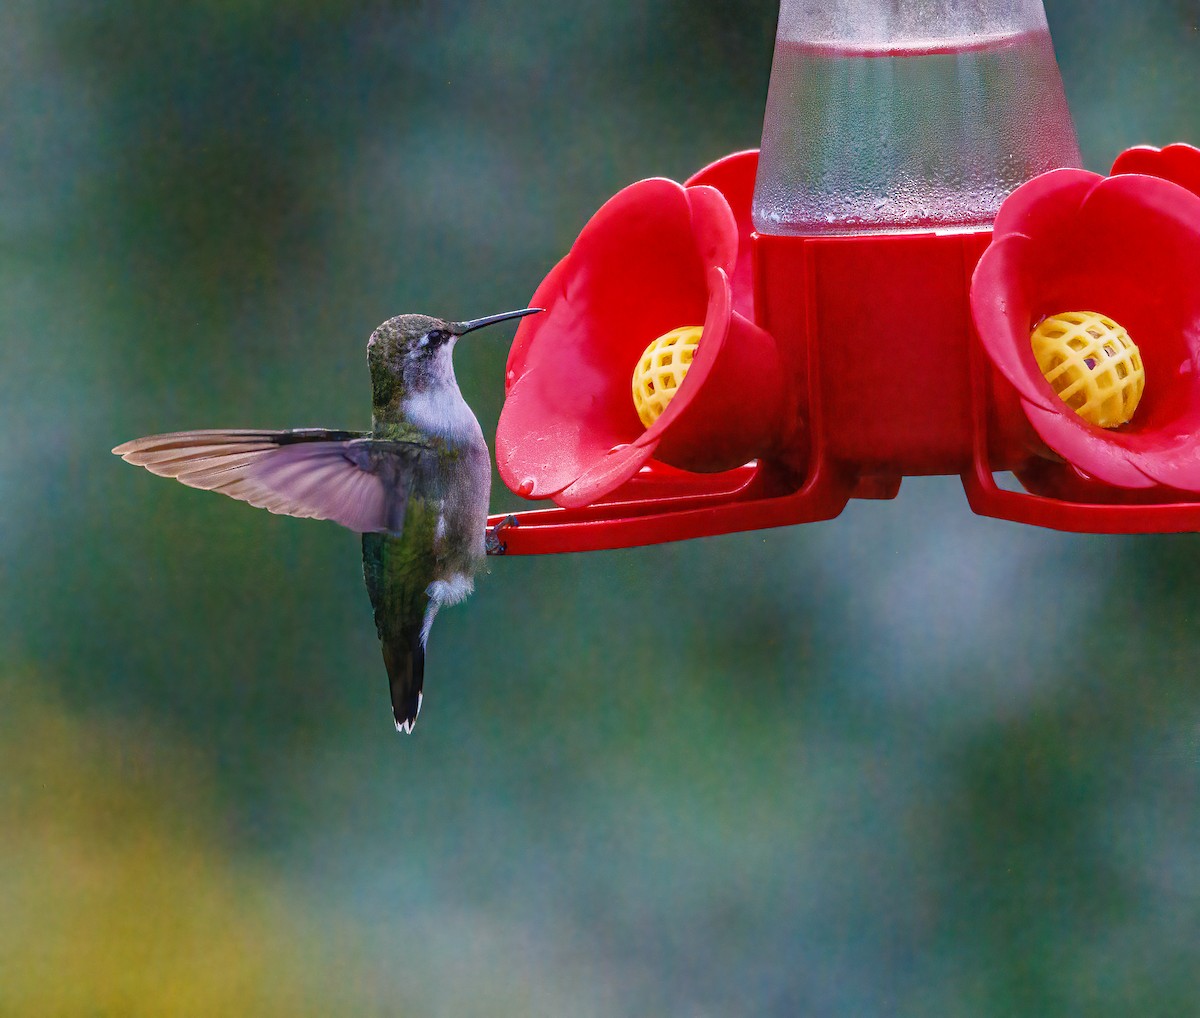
(118, 897)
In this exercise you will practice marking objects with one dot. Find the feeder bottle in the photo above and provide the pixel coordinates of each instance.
(906, 115)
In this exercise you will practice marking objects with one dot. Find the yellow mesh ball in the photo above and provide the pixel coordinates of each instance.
(1091, 363)
(661, 369)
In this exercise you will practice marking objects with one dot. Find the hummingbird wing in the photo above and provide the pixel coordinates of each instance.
(345, 476)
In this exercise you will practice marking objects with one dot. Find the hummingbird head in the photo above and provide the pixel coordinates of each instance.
(411, 354)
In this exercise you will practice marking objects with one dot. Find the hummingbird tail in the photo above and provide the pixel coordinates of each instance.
(405, 661)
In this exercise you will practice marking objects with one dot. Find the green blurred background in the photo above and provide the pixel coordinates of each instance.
(909, 761)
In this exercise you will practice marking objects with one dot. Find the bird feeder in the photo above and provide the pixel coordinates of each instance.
(912, 276)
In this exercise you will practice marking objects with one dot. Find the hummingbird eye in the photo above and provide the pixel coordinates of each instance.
(436, 337)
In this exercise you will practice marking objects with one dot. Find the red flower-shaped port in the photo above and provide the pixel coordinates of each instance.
(1128, 247)
(1179, 163)
(657, 257)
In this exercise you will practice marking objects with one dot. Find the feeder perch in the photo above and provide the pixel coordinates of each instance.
(888, 288)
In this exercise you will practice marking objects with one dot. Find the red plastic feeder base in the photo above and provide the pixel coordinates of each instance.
(889, 380)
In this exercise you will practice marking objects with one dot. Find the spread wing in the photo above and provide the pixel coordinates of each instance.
(345, 476)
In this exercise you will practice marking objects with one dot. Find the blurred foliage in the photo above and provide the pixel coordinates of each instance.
(906, 762)
(121, 896)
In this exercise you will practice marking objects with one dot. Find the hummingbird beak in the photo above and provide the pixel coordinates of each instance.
(462, 328)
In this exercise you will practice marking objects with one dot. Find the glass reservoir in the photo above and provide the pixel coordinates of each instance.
(907, 115)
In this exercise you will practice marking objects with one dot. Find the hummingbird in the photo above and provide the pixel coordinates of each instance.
(416, 485)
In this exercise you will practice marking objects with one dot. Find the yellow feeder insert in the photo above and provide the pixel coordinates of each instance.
(661, 370)
(1093, 365)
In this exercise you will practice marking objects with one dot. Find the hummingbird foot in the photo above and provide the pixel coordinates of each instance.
(493, 542)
